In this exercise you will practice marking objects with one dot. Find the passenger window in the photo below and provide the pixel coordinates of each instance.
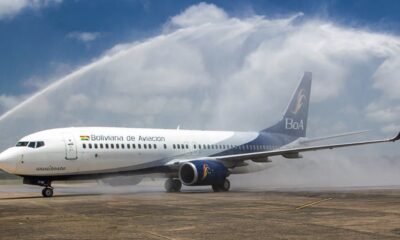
(208, 146)
(139, 146)
(149, 146)
(128, 146)
(145, 146)
(106, 145)
(101, 146)
(133, 146)
(90, 145)
(95, 145)
(122, 145)
(179, 146)
(155, 146)
(165, 146)
(194, 146)
(187, 146)
(117, 146)
(173, 146)
(182, 146)
(112, 145)
(212, 146)
(84, 145)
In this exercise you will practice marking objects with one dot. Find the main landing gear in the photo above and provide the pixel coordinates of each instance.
(222, 187)
(173, 185)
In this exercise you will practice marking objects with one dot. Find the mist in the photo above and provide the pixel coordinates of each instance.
(209, 70)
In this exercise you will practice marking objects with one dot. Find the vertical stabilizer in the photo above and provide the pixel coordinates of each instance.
(294, 121)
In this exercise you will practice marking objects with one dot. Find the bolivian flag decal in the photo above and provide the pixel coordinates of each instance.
(84, 138)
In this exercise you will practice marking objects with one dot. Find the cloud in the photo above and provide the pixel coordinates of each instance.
(208, 70)
(84, 36)
(10, 8)
(198, 15)
(8, 102)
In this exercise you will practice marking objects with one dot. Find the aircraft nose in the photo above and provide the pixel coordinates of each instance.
(8, 161)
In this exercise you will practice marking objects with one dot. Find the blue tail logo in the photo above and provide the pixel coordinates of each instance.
(301, 100)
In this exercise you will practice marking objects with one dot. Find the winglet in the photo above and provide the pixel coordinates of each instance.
(396, 138)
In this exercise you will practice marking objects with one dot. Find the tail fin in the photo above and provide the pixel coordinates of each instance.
(294, 121)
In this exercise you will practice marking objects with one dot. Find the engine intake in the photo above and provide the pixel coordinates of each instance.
(202, 172)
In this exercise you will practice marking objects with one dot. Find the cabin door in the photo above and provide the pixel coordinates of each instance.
(70, 147)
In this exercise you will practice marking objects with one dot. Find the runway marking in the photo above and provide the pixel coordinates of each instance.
(313, 203)
(160, 236)
(183, 228)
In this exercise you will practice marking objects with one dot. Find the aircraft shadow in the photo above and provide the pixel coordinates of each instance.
(55, 196)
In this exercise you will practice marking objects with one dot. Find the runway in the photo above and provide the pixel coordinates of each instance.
(88, 212)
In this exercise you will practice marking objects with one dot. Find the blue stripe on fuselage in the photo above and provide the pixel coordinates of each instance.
(272, 140)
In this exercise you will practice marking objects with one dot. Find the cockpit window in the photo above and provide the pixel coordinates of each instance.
(30, 144)
(22, 144)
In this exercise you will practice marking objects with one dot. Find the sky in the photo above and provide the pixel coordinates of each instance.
(219, 65)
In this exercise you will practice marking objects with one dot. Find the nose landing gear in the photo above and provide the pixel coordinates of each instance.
(47, 192)
(46, 183)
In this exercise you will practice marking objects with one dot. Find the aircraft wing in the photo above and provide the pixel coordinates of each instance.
(296, 150)
(311, 140)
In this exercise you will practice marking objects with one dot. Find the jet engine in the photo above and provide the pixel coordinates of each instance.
(202, 172)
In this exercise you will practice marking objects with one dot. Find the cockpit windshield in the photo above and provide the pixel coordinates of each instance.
(22, 144)
(37, 144)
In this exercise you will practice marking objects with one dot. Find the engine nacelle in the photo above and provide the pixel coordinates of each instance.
(202, 172)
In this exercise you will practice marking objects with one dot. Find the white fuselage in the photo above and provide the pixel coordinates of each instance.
(94, 150)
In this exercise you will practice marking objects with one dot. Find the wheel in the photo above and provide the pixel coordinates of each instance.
(226, 185)
(177, 185)
(173, 185)
(222, 187)
(47, 192)
(169, 185)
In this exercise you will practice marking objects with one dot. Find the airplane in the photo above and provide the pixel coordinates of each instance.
(192, 158)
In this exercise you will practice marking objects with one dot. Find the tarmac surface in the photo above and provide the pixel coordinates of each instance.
(89, 212)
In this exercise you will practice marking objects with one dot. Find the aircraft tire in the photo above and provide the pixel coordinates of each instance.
(226, 185)
(222, 187)
(177, 185)
(47, 192)
(172, 185)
